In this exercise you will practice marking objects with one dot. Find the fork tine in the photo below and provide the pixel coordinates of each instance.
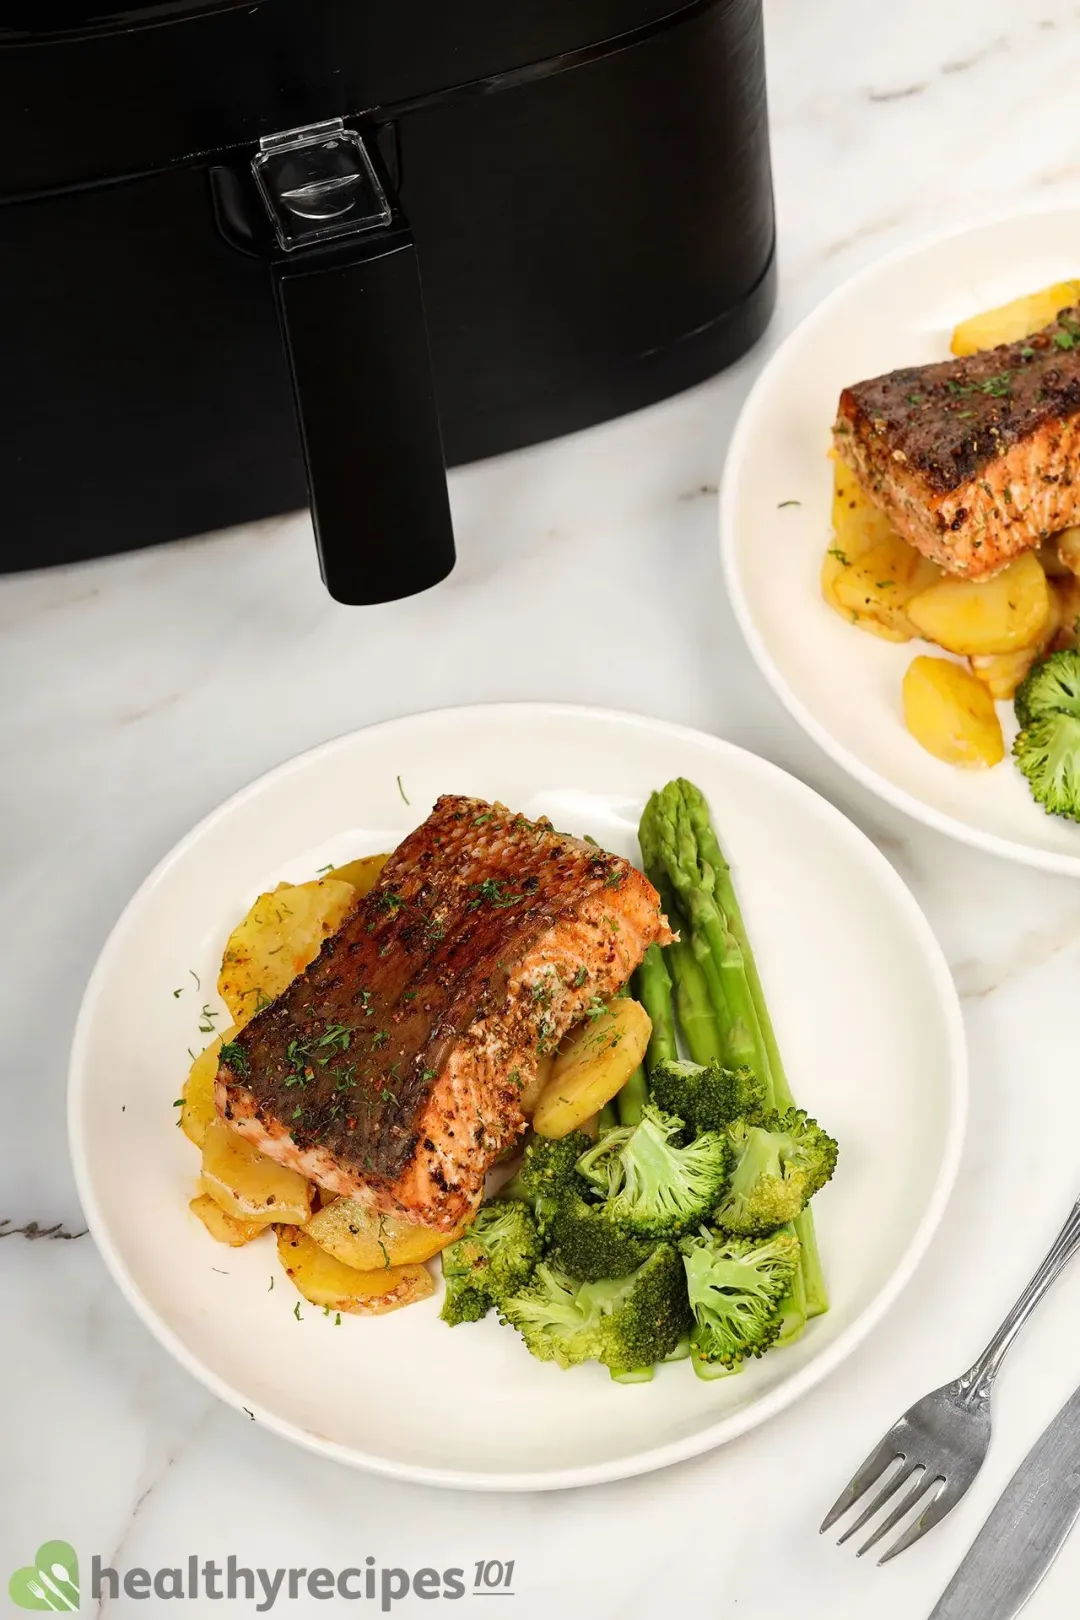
(866, 1475)
(900, 1511)
(886, 1493)
(942, 1502)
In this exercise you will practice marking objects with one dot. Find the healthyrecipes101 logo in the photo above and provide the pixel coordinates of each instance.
(51, 1582)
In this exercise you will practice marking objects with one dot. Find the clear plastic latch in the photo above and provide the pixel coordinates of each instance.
(318, 182)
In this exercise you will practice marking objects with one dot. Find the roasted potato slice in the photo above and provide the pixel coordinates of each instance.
(198, 1090)
(594, 1064)
(858, 525)
(1001, 673)
(952, 714)
(325, 1281)
(1020, 318)
(281, 934)
(362, 874)
(358, 1237)
(225, 1228)
(246, 1183)
(997, 615)
(872, 590)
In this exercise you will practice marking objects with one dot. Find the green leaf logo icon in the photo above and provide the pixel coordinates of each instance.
(51, 1582)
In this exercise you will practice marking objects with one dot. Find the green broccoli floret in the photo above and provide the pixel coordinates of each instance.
(736, 1288)
(1051, 686)
(1047, 752)
(548, 1174)
(494, 1258)
(652, 1186)
(706, 1097)
(781, 1160)
(628, 1323)
(584, 1241)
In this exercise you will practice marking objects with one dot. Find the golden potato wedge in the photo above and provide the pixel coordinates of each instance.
(362, 874)
(1001, 673)
(952, 714)
(534, 1089)
(1067, 546)
(198, 1090)
(280, 935)
(358, 1237)
(858, 525)
(595, 1064)
(325, 1281)
(997, 615)
(225, 1228)
(872, 591)
(246, 1183)
(1020, 318)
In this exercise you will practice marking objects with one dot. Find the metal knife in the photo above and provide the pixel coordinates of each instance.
(1025, 1531)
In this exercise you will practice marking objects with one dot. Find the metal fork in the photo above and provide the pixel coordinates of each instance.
(938, 1446)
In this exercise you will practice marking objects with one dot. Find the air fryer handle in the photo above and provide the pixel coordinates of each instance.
(356, 338)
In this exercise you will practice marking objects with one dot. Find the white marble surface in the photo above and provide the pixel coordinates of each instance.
(139, 691)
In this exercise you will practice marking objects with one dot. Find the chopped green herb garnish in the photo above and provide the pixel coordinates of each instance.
(178, 993)
(236, 1057)
(841, 556)
(320, 870)
(493, 893)
(179, 1103)
(296, 1311)
(195, 976)
(1064, 340)
(579, 978)
(401, 790)
(781, 504)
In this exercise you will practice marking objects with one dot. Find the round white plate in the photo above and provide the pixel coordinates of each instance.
(865, 1010)
(840, 684)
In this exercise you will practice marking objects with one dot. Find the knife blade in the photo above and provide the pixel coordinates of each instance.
(1025, 1530)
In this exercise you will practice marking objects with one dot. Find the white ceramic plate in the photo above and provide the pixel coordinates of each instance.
(842, 685)
(865, 1009)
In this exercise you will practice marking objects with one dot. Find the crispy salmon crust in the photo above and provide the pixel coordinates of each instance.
(978, 459)
(392, 1069)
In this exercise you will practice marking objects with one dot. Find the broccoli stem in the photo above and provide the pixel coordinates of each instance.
(771, 1070)
(810, 1267)
(634, 1375)
(607, 1118)
(793, 1307)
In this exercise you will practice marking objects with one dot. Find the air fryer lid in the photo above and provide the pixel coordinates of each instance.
(92, 91)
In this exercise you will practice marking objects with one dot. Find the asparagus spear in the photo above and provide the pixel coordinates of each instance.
(718, 871)
(631, 1100)
(713, 943)
(693, 1001)
(607, 1117)
(654, 992)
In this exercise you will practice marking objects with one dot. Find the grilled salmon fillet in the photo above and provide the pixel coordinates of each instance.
(392, 1069)
(974, 460)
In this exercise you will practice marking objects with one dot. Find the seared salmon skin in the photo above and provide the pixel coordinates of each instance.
(975, 460)
(392, 1069)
